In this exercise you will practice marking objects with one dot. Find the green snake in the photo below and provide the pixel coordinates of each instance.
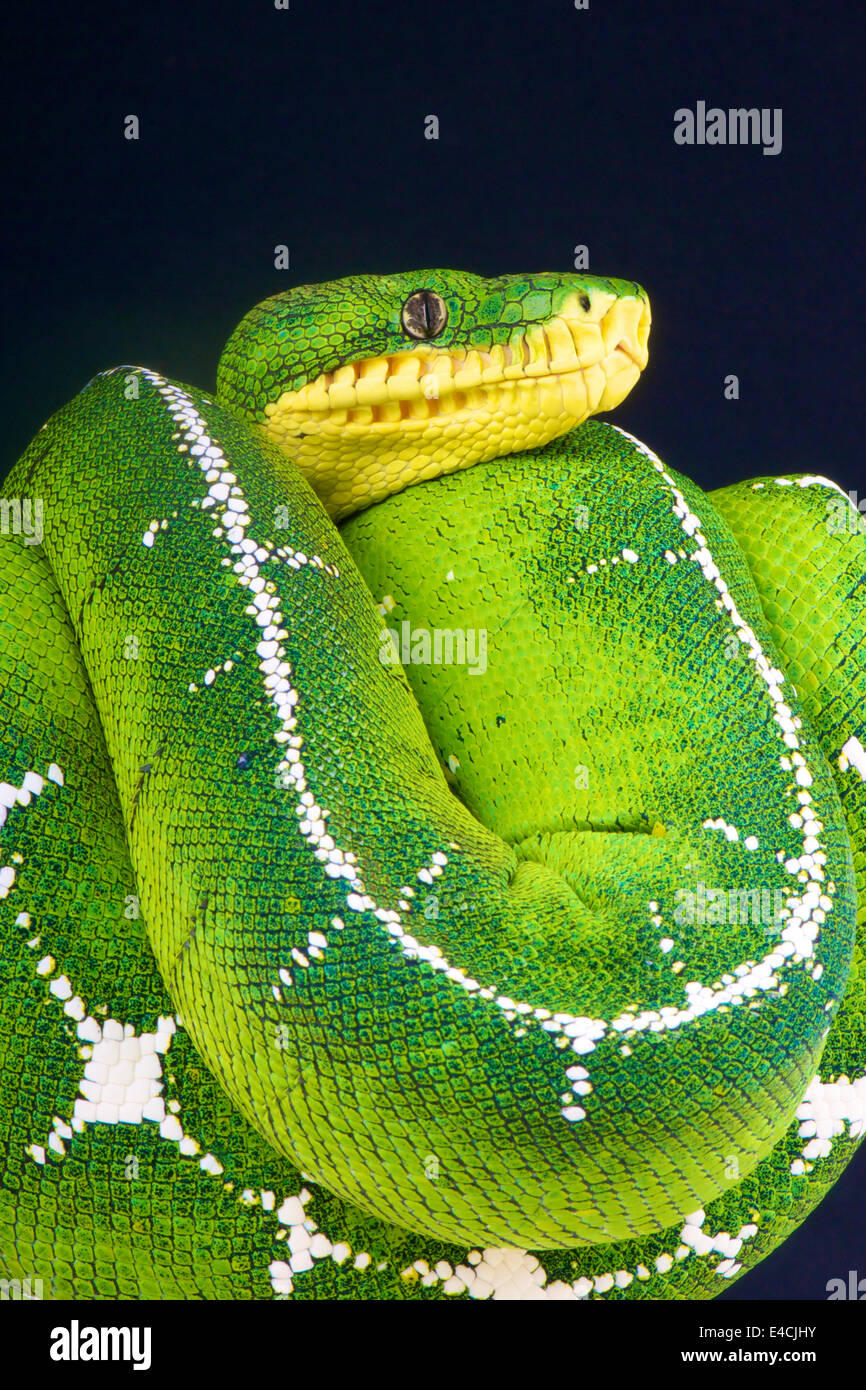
(432, 830)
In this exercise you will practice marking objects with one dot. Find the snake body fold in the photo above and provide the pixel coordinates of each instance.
(543, 938)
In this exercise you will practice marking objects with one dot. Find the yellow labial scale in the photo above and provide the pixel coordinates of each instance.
(378, 368)
(419, 409)
(401, 388)
(370, 392)
(562, 348)
(469, 374)
(550, 399)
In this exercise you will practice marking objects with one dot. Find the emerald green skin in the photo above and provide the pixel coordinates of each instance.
(614, 718)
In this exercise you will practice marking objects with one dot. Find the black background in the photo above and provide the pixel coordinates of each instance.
(306, 127)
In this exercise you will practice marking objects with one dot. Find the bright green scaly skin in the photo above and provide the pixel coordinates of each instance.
(436, 1021)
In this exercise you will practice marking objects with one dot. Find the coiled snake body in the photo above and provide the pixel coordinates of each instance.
(459, 902)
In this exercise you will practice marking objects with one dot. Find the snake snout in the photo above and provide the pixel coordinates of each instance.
(625, 334)
(625, 328)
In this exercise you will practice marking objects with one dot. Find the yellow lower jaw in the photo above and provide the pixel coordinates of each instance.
(377, 426)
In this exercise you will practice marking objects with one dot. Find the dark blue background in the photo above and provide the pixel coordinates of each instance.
(306, 127)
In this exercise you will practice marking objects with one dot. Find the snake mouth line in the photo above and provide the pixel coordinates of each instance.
(410, 387)
(632, 356)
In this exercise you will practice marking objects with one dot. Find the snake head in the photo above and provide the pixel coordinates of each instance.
(374, 382)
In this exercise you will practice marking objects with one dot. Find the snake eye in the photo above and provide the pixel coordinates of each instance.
(585, 303)
(424, 314)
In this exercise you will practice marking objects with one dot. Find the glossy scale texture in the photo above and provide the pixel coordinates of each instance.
(331, 976)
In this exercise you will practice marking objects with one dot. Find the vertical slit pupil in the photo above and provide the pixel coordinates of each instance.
(424, 314)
